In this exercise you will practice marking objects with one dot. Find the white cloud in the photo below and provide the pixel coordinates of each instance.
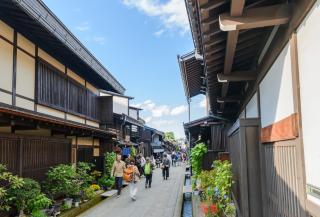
(179, 110)
(203, 103)
(172, 13)
(160, 111)
(83, 27)
(99, 39)
(148, 119)
(159, 33)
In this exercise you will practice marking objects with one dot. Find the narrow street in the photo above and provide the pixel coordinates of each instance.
(161, 200)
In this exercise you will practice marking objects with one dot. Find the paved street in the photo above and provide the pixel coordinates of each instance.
(159, 201)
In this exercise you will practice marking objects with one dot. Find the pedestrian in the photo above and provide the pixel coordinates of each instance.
(148, 170)
(158, 161)
(165, 167)
(135, 176)
(143, 162)
(174, 158)
(117, 171)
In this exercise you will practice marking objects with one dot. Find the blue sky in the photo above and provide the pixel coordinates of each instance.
(138, 42)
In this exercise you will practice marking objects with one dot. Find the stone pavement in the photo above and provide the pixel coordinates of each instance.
(162, 200)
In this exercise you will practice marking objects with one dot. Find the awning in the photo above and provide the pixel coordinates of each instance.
(192, 73)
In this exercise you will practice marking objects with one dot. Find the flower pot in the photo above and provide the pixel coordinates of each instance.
(68, 202)
(76, 203)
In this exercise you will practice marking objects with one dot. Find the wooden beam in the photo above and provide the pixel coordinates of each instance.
(256, 18)
(232, 39)
(213, 4)
(236, 77)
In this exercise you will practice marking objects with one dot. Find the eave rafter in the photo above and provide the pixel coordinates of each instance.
(245, 19)
(256, 18)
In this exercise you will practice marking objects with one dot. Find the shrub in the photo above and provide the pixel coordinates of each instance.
(62, 180)
(8, 182)
(216, 185)
(110, 157)
(38, 213)
(28, 191)
(89, 193)
(38, 203)
(95, 187)
(83, 170)
(106, 182)
(197, 153)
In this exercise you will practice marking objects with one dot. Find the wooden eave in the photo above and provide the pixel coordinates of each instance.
(192, 73)
(52, 120)
(249, 23)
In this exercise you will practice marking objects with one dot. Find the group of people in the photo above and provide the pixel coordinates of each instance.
(132, 169)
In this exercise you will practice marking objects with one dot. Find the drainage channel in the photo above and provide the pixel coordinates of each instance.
(187, 195)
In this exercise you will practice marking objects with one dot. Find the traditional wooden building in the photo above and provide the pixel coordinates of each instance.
(153, 141)
(51, 103)
(256, 62)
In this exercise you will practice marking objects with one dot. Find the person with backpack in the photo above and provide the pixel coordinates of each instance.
(134, 178)
(148, 170)
(165, 167)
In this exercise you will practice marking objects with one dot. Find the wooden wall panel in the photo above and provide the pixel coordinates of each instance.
(282, 179)
(33, 156)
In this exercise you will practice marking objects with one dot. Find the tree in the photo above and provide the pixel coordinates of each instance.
(169, 136)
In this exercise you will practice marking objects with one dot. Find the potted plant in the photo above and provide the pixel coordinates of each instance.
(29, 197)
(63, 180)
(11, 182)
(88, 194)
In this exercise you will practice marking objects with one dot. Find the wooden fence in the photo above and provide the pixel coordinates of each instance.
(31, 156)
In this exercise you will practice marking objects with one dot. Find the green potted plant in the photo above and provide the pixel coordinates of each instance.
(197, 154)
(63, 180)
(12, 182)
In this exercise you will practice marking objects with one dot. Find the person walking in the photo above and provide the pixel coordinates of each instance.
(158, 161)
(117, 171)
(148, 170)
(165, 167)
(135, 176)
(143, 162)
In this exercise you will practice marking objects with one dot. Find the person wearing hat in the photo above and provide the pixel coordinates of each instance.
(148, 169)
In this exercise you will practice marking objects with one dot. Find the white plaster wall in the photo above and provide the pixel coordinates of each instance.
(88, 141)
(133, 113)
(5, 98)
(276, 94)
(120, 105)
(308, 40)
(25, 75)
(26, 45)
(252, 107)
(6, 65)
(50, 111)
(6, 31)
(93, 124)
(75, 118)
(23, 103)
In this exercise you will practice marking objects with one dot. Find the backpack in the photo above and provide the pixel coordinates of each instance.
(147, 169)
